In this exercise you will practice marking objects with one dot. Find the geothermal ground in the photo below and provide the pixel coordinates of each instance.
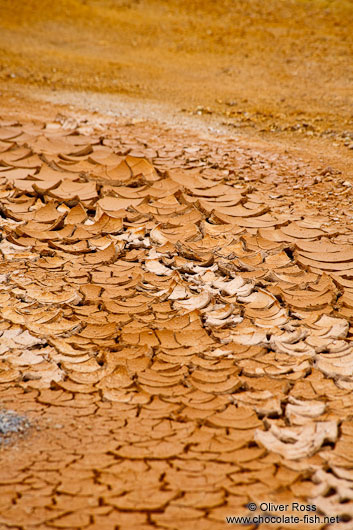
(176, 265)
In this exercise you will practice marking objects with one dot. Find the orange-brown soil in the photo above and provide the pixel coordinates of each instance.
(269, 66)
(176, 287)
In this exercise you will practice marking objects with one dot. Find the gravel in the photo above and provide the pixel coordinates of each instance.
(11, 424)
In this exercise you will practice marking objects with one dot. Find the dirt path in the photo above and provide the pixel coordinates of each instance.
(166, 327)
(176, 286)
(274, 67)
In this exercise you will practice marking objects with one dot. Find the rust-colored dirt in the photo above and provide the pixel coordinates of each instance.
(176, 306)
(271, 67)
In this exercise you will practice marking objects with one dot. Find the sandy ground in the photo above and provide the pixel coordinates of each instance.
(270, 67)
(159, 395)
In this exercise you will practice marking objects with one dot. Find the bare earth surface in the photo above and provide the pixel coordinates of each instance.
(176, 286)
